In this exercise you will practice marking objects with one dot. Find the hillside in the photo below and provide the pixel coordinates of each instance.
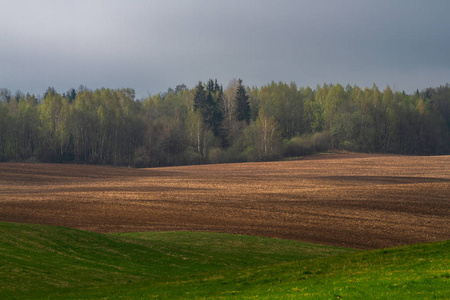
(354, 200)
(41, 262)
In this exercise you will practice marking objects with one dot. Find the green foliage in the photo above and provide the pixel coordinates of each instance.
(300, 146)
(199, 97)
(184, 125)
(54, 114)
(208, 104)
(43, 262)
(242, 105)
(6, 125)
(264, 136)
(285, 103)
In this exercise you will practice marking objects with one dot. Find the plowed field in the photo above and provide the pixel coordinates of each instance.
(353, 200)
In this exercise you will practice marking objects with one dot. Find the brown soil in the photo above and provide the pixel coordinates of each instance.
(353, 200)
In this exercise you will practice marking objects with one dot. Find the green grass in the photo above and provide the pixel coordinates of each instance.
(43, 262)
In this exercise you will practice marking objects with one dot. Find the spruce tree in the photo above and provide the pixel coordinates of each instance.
(199, 97)
(217, 115)
(210, 85)
(216, 86)
(242, 104)
(204, 101)
(208, 110)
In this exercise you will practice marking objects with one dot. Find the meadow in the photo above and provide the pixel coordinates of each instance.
(46, 262)
(324, 226)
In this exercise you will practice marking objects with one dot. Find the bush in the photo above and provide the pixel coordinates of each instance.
(322, 141)
(216, 156)
(299, 146)
(191, 157)
(347, 146)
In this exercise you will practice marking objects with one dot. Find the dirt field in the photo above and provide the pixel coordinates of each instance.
(353, 200)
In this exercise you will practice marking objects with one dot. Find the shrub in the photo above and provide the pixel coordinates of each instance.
(299, 146)
(322, 141)
(216, 156)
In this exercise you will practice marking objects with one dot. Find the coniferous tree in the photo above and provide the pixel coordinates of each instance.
(210, 86)
(70, 95)
(216, 86)
(217, 114)
(199, 97)
(209, 108)
(242, 105)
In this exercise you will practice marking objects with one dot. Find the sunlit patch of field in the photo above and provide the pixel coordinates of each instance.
(352, 200)
(46, 262)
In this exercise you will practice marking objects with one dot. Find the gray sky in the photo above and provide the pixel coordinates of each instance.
(153, 45)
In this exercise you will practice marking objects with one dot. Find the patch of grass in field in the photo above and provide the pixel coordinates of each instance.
(51, 262)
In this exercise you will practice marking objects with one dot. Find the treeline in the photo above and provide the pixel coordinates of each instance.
(210, 124)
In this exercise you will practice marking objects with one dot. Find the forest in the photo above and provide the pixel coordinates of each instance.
(210, 124)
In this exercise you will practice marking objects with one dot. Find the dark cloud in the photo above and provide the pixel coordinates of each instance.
(152, 45)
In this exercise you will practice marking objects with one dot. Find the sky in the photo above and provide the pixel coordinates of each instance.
(156, 44)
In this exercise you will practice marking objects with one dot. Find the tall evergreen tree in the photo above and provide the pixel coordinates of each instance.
(216, 86)
(208, 110)
(218, 115)
(70, 95)
(242, 105)
(210, 86)
(199, 97)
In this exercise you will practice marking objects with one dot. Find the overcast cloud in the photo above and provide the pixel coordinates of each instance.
(153, 45)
